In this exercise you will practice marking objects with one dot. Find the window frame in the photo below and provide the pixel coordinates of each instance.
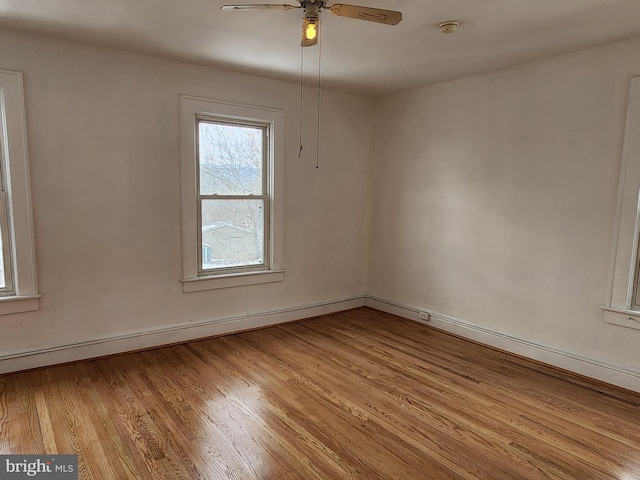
(193, 277)
(264, 196)
(620, 307)
(21, 293)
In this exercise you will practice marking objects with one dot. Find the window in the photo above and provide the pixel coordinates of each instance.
(232, 194)
(622, 303)
(231, 180)
(18, 289)
(6, 276)
(634, 303)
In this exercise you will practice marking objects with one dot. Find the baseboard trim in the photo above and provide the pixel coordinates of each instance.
(167, 335)
(589, 367)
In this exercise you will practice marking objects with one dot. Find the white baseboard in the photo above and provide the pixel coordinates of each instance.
(166, 335)
(612, 374)
(183, 332)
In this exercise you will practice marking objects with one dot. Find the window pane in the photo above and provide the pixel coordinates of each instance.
(232, 233)
(230, 159)
(2, 282)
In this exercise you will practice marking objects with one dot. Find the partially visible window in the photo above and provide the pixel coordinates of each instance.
(622, 303)
(634, 303)
(18, 289)
(6, 276)
(231, 161)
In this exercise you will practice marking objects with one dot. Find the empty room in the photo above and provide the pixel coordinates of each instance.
(394, 239)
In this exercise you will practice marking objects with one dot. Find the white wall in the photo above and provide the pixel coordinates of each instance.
(103, 140)
(494, 200)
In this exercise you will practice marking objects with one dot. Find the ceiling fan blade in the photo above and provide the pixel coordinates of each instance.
(378, 15)
(257, 6)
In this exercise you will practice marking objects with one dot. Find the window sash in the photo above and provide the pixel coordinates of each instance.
(635, 305)
(6, 247)
(235, 122)
(266, 234)
(634, 293)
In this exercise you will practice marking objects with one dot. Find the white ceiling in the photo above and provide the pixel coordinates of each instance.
(357, 56)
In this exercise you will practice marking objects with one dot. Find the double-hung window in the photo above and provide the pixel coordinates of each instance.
(622, 302)
(18, 289)
(233, 199)
(231, 181)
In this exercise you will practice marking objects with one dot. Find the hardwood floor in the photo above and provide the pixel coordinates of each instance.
(360, 394)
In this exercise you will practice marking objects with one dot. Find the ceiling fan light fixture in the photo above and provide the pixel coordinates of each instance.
(310, 25)
(310, 32)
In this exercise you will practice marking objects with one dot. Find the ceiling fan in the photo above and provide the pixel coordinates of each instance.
(312, 9)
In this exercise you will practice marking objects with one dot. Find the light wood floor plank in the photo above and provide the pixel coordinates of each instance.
(5, 415)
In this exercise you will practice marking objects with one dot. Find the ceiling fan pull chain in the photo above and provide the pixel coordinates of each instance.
(301, 98)
(319, 97)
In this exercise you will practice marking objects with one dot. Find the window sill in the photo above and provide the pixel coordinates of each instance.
(622, 317)
(19, 304)
(201, 284)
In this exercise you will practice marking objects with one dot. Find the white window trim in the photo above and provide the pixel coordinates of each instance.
(618, 301)
(190, 107)
(15, 168)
